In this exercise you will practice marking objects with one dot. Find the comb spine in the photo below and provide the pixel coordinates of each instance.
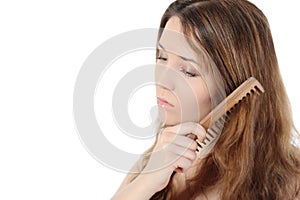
(232, 99)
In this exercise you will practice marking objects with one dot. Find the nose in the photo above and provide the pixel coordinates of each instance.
(163, 77)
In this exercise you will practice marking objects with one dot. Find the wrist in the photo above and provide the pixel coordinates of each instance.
(139, 189)
(146, 185)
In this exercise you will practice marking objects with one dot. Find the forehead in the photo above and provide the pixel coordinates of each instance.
(175, 41)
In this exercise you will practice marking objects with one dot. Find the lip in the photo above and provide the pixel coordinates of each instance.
(164, 103)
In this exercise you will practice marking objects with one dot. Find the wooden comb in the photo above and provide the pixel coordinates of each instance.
(251, 85)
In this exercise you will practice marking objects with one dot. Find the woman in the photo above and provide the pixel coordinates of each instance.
(254, 156)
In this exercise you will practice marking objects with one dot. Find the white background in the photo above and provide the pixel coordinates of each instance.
(42, 47)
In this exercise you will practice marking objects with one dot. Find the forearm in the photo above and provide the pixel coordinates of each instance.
(139, 189)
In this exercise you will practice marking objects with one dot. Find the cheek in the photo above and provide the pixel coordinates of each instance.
(203, 99)
(194, 100)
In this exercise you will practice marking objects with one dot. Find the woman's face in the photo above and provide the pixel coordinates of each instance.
(181, 89)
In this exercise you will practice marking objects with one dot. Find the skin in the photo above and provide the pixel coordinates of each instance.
(182, 85)
(179, 81)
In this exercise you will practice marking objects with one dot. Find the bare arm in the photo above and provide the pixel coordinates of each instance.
(138, 189)
(130, 176)
(173, 151)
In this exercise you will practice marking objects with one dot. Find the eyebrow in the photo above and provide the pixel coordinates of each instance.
(184, 58)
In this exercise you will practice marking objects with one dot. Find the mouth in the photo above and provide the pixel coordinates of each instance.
(164, 103)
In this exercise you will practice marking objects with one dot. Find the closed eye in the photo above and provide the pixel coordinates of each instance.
(188, 73)
(161, 58)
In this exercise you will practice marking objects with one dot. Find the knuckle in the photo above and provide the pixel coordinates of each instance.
(166, 137)
(201, 132)
(191, 155)
(200, 128)
(185, 163)
(193, 145)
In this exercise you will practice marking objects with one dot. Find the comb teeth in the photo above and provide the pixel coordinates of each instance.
(212, 133)
(217, 115)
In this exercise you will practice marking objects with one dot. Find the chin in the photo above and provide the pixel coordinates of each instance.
(169, 122)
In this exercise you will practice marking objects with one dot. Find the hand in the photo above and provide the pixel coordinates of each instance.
(175, 150)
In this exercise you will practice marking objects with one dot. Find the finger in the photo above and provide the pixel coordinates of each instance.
(178, 170)
(188, 128)
(183, 163)
(191, 136)
(185, 142)
(180, 151)
(167, 137)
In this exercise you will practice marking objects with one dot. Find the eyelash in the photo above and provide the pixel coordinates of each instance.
(161, 58)
(185, 72)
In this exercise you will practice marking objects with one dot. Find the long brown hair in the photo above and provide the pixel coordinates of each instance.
(254, 157)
